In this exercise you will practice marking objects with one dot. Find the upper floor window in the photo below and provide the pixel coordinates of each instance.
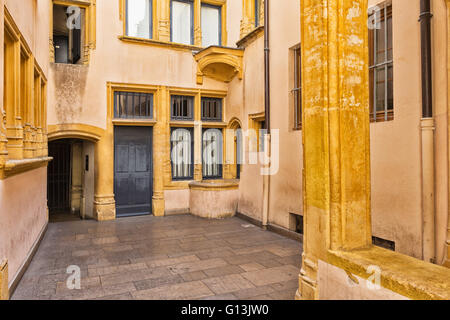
(211, 25)
(257, 13)
(182, 21)
(133, 105)
(297, 90)
(139, 18)
(212, 109)
(182, 108)
(68, 27)
(381, 65)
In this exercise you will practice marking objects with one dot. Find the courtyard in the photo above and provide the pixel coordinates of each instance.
(175, 257)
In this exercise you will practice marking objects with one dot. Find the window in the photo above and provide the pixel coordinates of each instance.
(211, 25)
(381, 65)
(212, 109)
(67, 33)
(182, 12)
(297, 91)
(133, 105)
(257, 12)
(182, 155)
(139, 18)
(212, 154)
(182, 108)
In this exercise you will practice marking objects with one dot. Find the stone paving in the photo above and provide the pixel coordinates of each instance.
(149, 258)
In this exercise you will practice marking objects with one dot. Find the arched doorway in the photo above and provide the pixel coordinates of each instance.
(70, 179)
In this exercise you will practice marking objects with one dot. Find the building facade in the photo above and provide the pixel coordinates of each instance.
(115, 108)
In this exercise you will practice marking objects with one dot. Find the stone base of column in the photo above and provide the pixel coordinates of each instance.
(447, 260)
(104, 208)
(158, 206)
(307, 281)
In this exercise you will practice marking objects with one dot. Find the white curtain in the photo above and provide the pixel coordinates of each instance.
(181, 22)
(138, 18)
(182, 153)
(210, 26)
(212, 153)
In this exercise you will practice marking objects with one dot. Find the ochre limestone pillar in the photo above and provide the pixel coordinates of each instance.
(163, 23)
(335, 132)
(248, 17)
(104, 201)
(4, 291)
(197, 23)
(160, 144)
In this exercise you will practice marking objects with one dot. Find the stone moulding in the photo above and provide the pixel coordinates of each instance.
(219, 63)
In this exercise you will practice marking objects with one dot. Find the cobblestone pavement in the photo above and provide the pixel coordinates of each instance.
(178, 257)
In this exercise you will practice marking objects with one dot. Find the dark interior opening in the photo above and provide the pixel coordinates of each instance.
(67, 33)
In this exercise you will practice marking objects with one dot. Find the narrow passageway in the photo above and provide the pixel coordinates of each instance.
(177, 257)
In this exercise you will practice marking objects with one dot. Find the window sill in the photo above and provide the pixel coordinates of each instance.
(407, 276)
(215, 185)
(14, 167)
(158, 43)
(127, 122)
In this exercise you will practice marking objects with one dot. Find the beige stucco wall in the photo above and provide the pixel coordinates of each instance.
(23, 197)
(23, 216)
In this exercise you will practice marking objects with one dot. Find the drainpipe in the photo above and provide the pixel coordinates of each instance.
(427, 133)
(266, 178)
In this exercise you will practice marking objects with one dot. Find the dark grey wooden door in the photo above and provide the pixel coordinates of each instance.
(133, 170)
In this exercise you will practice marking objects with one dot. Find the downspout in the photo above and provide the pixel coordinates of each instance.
(266, 178)
(427, 135)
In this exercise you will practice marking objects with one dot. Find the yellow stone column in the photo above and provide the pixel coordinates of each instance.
(163, 20)
(160, 142)
(104, 201)
(248, 17)
(4, 291)
(197, 23)
(335, 132)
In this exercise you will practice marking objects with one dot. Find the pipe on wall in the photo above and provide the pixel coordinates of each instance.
(266, 178)
(427, 135)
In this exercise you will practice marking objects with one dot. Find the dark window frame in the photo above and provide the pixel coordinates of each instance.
(133, 94)
(257, 13)
(191, 2)
(205, 117)
(220, 175)
(190, 108)
(187, 178)
(220, 18)
(385, 65)
(150, 18)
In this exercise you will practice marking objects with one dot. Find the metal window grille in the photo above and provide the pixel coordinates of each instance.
(212, 109)
(212, 154)
(182, 108)
(297, 91)
(182, 155)
(381, 65)
(133, 105)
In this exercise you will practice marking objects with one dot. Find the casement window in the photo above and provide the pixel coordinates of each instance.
(257, 13)
(133, 105)
(381, 65)
(182, 153)
(182, 21)
(297, 90)
(139, 18)
(68, 26)
(212, 150)
(211, 25)
(212, 109)
(182, 108)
